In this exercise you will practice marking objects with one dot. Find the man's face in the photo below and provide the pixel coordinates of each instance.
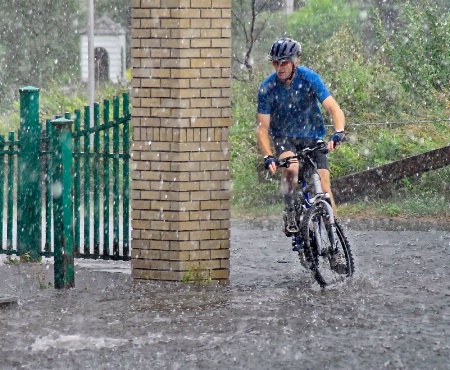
(284, 68)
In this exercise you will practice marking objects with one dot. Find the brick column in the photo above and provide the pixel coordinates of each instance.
(181, 57)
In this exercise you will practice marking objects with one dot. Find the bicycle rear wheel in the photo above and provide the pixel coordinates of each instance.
(321, 242)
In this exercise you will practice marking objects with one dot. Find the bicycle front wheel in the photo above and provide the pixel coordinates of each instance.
(326, 247)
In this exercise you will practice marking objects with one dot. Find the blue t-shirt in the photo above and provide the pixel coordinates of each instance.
(294, 111)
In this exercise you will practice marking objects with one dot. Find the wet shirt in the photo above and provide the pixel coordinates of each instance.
(294, 111)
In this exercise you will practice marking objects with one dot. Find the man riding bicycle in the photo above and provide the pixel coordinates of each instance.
(289, 118)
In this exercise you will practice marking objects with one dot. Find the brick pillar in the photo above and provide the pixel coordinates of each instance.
(181, 57)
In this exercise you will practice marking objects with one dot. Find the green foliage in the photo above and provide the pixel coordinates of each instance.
(427, 195)
(420, 51)
(197, 276)
(38, 42)
(367, 89)
(346, 160)
(118, 10)
(254, 27)
(23, 258)
(391, 209)
(364, 87)
(318, 20)
(57, 99)
(245, 156)
(372, 146)
(11, 261)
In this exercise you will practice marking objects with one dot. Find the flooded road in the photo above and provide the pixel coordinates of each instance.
(393, 314)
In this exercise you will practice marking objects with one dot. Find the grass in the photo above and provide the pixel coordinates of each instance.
(197, 276)
(268, 211)
(412, 206)
(427, 196)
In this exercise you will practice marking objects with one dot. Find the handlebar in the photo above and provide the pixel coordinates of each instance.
(321, 146)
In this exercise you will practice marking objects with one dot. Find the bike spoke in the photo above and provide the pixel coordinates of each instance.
(321, 241)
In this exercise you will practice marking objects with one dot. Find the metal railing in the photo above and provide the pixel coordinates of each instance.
(65, 187)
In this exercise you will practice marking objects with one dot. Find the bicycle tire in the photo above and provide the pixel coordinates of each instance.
(318, 233)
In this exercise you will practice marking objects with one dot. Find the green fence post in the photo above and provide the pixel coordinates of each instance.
(126, 178)
(106, 180)
(87, 184)
(48, 190)
(63, 203)
(116, 163)
(96, 173)
(10, 197)
(77, 184)
(29, 212)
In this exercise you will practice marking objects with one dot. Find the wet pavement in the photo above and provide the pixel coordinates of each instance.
(393, 314)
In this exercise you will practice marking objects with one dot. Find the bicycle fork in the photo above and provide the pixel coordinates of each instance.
(331, 227)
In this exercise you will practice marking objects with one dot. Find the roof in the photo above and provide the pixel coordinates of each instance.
(105, 26)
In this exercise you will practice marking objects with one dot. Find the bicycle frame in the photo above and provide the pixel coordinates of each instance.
(310, 180)
(319, 196)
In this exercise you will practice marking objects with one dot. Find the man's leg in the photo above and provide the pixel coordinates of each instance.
(289, 178)
(338, 262)
(326, 186)
(289, 175)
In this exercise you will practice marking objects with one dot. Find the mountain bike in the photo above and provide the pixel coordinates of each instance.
(320, 238)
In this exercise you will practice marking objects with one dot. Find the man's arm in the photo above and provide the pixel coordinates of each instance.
(337, 116)
(262, 133)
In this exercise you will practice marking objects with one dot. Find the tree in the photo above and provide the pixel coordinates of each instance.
(420, 50)
(318, 20)
(250, 21)
(38, 41)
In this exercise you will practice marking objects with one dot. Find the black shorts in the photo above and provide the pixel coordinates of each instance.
(295, 145)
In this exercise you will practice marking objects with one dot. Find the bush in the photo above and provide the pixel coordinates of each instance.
(318, 20)
(364, 87)
(57, 99)
(372, 146)
(419, 51)
(367, 90)
(247, 185)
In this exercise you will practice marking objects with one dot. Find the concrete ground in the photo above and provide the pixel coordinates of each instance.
(393, 313)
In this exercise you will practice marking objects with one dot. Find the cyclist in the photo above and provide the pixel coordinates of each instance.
(289, 117)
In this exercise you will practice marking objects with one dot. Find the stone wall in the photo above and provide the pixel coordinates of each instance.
(181, 59)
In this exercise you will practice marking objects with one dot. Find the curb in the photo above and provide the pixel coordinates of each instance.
(394, 224)
(7, 300)
(357, 223)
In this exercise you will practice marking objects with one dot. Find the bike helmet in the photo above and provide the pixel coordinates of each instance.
(284, 49)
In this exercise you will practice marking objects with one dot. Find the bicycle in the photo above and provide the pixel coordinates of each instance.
(320, 237)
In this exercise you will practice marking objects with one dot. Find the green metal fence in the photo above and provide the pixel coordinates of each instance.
(9, 151)
(102, 182)
(65, 186)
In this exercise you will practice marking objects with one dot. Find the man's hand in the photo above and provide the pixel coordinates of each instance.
(336, 139)
(270, 163)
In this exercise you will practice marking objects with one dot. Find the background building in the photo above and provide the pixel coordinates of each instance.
(110, 51)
